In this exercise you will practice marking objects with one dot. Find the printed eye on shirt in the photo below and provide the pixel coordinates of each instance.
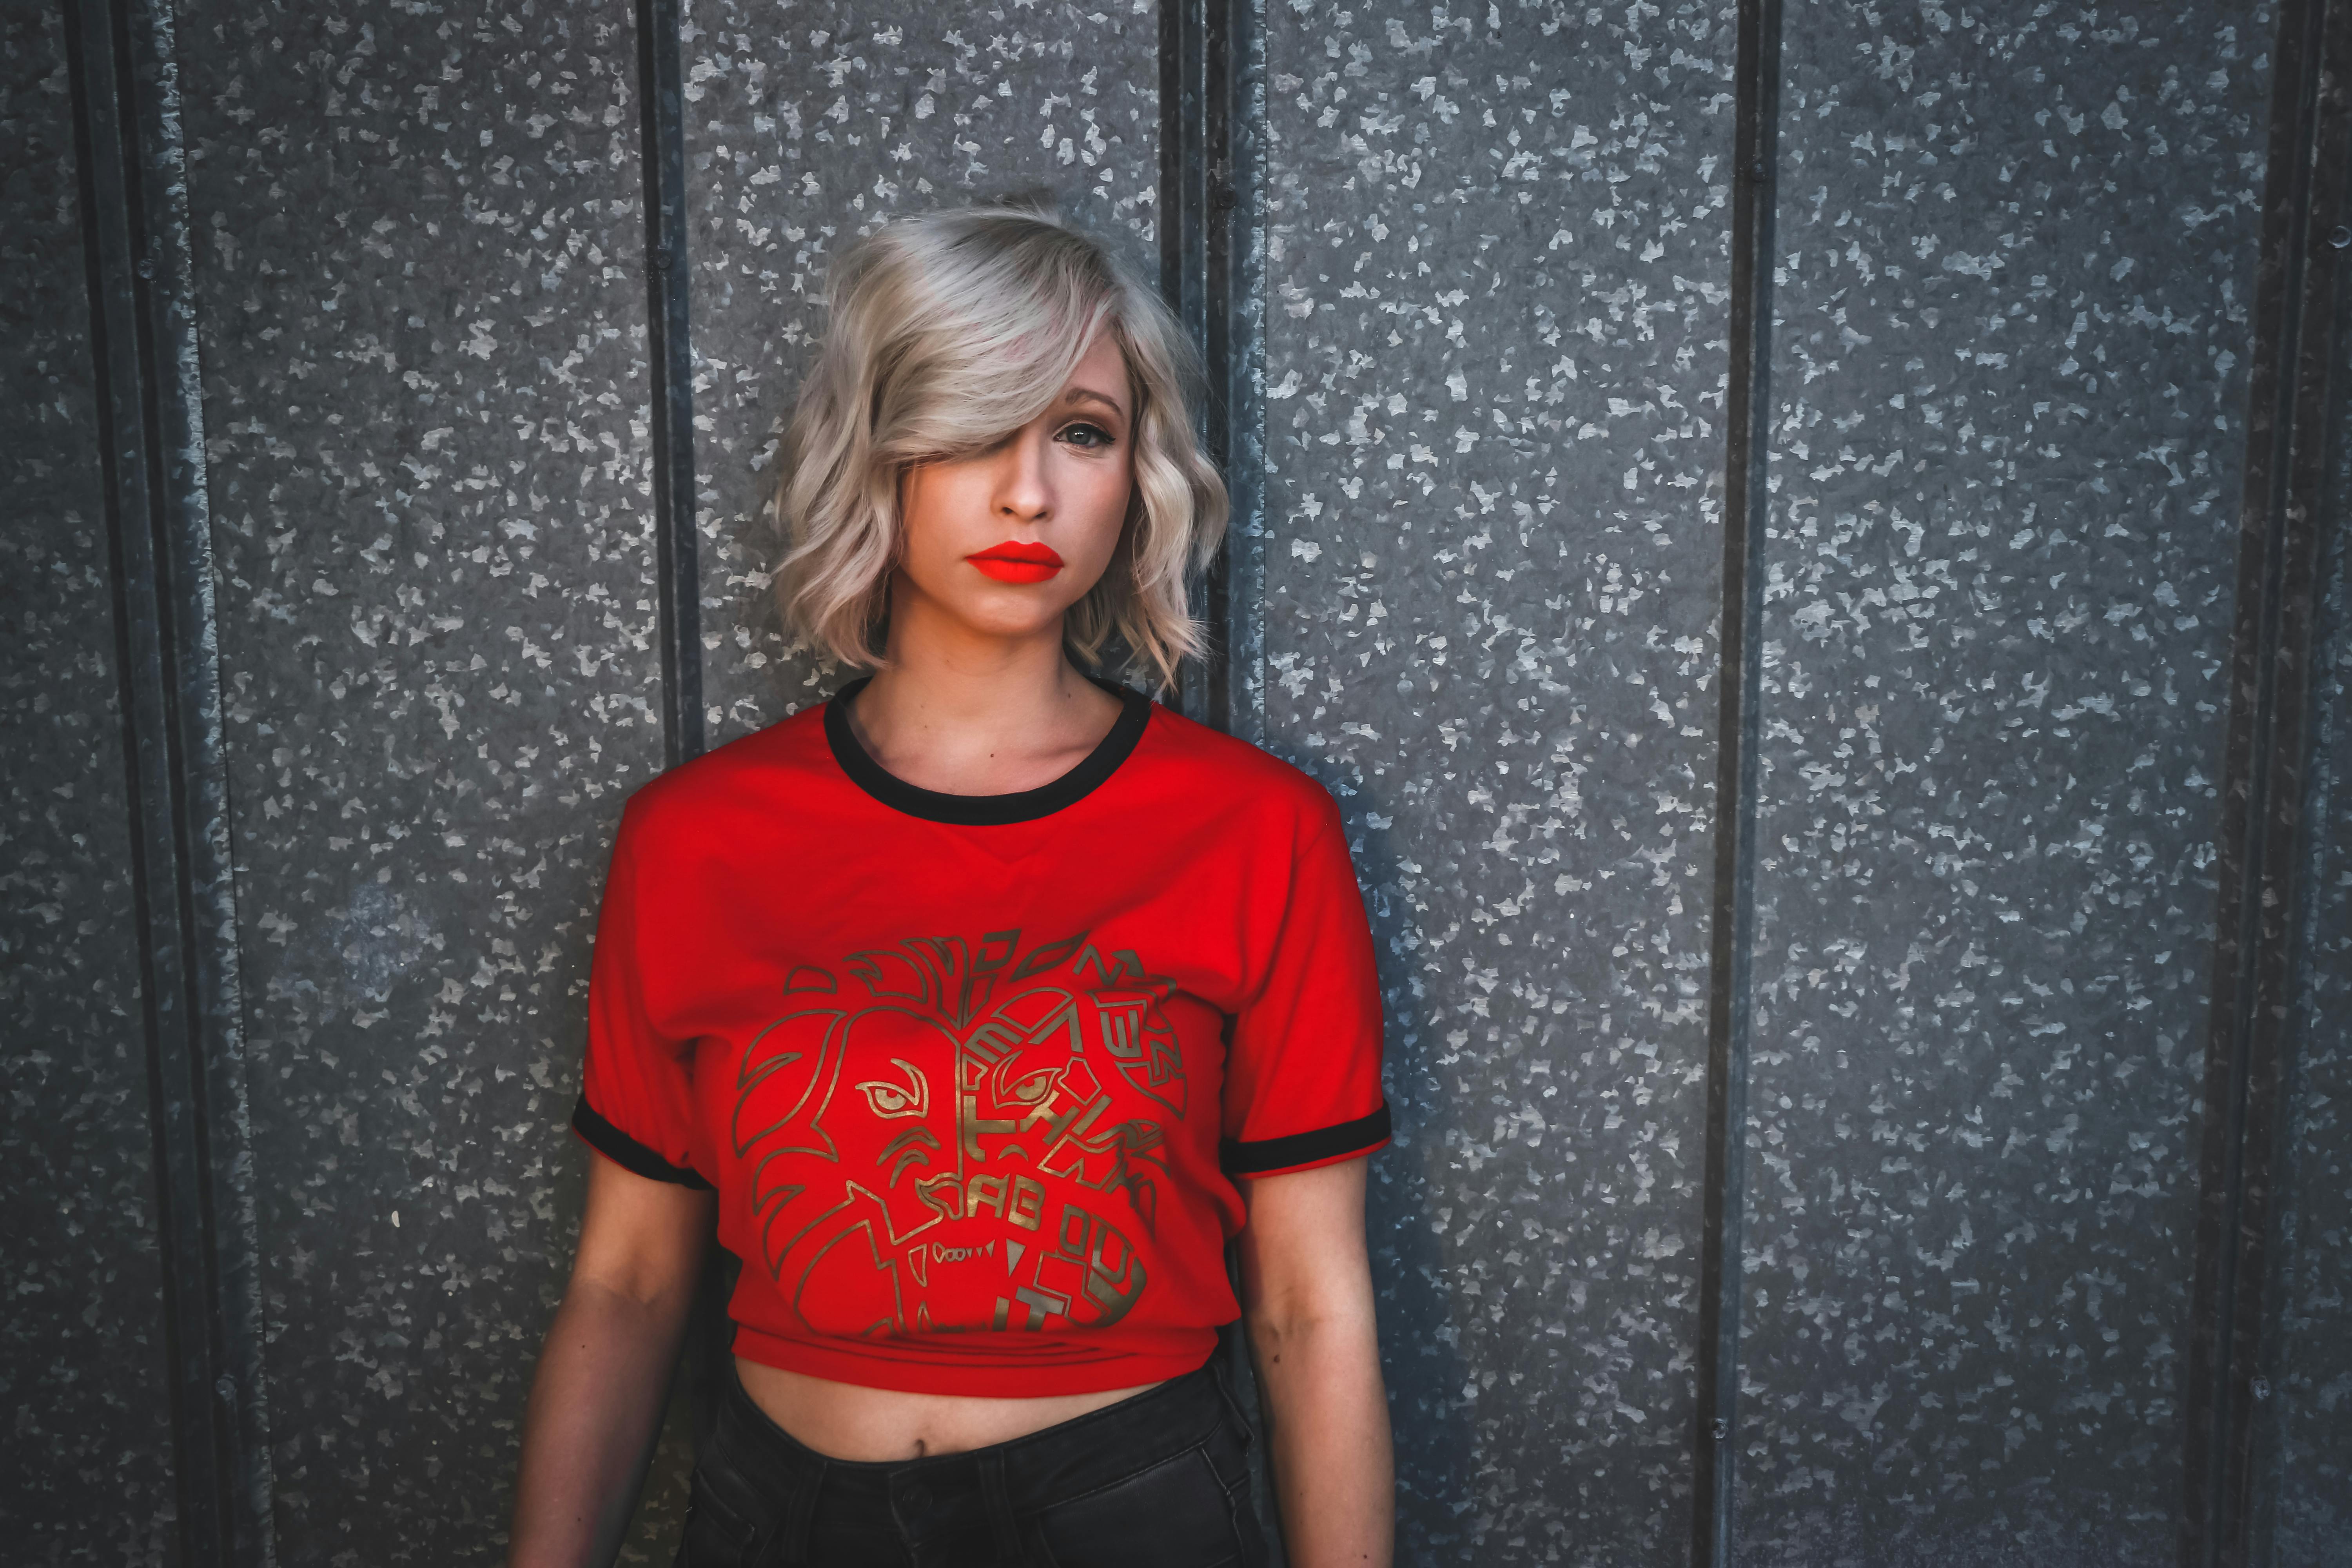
(989, 1175)
(972, 1075)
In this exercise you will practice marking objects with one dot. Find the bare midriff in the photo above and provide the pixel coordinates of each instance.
(844, 1421)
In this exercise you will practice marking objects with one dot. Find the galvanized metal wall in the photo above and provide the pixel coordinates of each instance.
(1796, 541)
(2011, 269)
(1496, 270)
(87, 1390)
(419, 247)
(2309, 1484)
(2296, 1454)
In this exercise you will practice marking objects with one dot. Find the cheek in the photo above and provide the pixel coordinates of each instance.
(1103, 495)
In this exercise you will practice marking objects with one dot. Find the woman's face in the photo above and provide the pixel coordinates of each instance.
(1004, 541)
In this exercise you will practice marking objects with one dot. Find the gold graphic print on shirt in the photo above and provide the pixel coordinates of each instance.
(947, 1136)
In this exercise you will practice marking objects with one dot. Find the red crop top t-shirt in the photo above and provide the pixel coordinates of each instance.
(972, 1075)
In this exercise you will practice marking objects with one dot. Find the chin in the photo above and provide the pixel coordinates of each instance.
(1021, 623)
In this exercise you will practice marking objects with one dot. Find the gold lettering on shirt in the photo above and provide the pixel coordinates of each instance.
(1034, 1131)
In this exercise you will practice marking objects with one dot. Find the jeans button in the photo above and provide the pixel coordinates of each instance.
(915, 1498)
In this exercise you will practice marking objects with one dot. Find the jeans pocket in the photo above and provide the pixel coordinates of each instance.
(1228, 1455)
(1237, 1418)
(1227, 1450)
(717, 1534)
(1176, 1514)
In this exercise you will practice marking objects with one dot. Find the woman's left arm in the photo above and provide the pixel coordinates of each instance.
(1307, 1295)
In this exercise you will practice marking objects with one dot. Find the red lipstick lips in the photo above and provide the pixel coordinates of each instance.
(1013, 562)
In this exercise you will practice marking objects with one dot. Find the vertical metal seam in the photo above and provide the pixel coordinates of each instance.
(99, 173)
(123, 68)
(1174, 137)
(204, 821)
(1756, 97)
(1215, 217)
(1176, 209)
(1244, 310)
(1209, 80)
(677, 573)
(669, 355)
(2254, 1453)
(2217, 1372)
(2284, 746)
(1196, 202)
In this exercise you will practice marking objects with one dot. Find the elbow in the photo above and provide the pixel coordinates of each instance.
(653, 1299)
(1295, 1327)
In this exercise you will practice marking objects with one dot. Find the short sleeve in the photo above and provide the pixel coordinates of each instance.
(637, 1097)
(1303, 1065)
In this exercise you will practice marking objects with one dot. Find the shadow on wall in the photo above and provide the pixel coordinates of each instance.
(1419, 1345)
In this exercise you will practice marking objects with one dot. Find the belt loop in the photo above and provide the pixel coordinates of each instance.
(1009, 1551)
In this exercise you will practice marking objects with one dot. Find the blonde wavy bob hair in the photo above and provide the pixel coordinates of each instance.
(947, 332)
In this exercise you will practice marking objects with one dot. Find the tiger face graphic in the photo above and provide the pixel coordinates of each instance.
(944, 1136)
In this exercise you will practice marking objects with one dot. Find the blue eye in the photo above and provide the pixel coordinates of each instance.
(1088, 437)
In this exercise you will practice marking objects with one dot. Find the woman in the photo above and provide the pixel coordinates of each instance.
(982, 1005)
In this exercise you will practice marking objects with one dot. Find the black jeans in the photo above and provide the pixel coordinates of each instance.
(1160, 1480)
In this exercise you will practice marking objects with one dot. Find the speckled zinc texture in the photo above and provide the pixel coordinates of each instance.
(805, 126)
(423, 311)
(2010, 287)
(2011, 276)
(2310, 1411)
(83, 1392)
(1498, 282)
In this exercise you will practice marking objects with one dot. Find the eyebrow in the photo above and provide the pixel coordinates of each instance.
(1076, 393)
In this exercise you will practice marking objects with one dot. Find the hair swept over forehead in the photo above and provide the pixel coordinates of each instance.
(972, 319)
(948, 330)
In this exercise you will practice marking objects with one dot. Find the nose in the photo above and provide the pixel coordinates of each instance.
(1023, 494)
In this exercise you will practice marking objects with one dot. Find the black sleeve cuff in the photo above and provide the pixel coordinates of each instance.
(626, 1152)
(1366, 1132)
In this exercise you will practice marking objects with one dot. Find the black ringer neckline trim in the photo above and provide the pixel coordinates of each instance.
(629, 1153)
(1237, 1158)
(986, 810)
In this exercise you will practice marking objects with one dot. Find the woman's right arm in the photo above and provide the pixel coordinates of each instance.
(603, 1374)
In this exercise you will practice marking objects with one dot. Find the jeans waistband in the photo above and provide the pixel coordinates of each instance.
(1074, 1456)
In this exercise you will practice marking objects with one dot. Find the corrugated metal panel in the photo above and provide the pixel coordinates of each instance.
(1496, 275)
(2307, 1411)
(2010, 306)
(83, 1341)
(2013, 266)
(422, 344)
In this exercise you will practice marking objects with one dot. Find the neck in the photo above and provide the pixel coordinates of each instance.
(969, 713)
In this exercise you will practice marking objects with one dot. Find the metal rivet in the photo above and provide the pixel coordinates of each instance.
(1722, 1429)
(2262, 1385)
(661, 261)
(2339, 237)
(146, 267)
(1224, 198)
(1760, 170)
